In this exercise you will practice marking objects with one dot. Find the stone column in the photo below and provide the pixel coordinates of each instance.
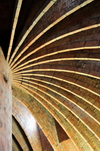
(5, 105)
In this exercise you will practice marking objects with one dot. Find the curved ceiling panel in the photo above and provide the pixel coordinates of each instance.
(54, 56)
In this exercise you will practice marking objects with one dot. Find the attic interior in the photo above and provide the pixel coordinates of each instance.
(52, 48)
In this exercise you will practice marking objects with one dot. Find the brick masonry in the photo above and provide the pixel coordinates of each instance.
(5, 105)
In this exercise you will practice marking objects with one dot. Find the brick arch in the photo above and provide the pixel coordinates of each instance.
(27, 123)
(44, 119)
(19, 135)
(15, 144)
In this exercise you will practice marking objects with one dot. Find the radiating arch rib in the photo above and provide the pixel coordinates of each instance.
(18, 8)
(55, 78)
(30, 84)
(55, 60)
(51, 25)
(31, 27)
(49, 42)
(45, 104)
(58, 70)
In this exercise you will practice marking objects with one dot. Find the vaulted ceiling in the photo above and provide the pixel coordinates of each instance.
(53, 50)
